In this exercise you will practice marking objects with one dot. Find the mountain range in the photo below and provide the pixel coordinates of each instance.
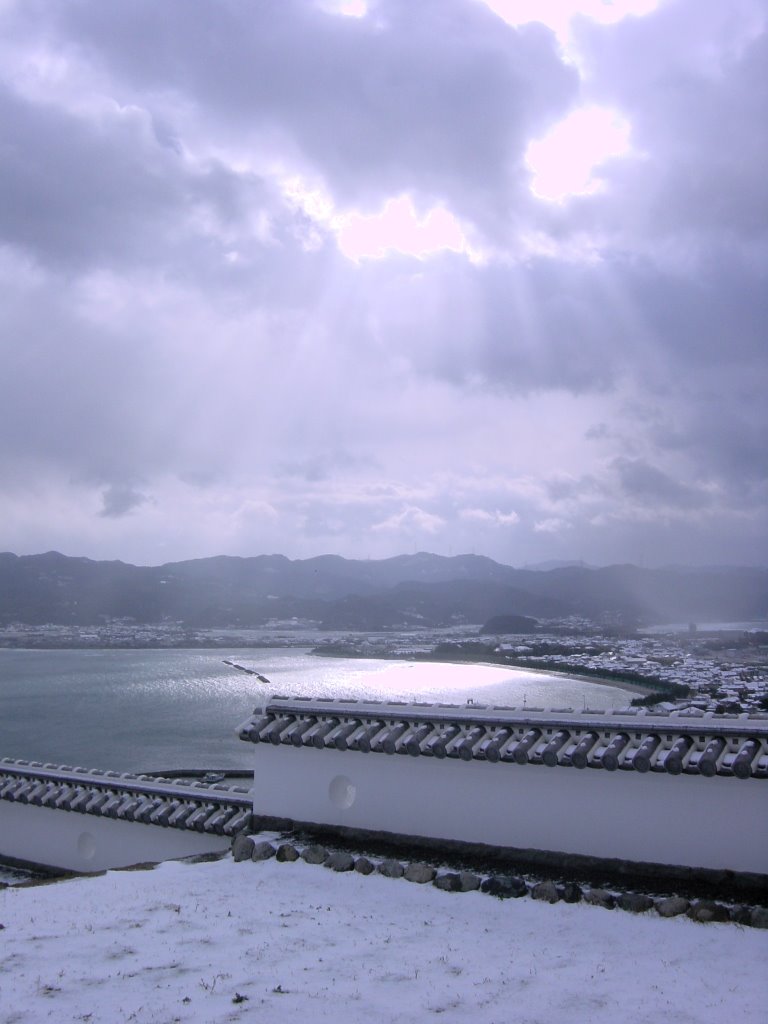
(402, 592)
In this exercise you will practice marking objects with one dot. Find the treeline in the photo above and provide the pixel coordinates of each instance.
(628, 675)
(673, 690)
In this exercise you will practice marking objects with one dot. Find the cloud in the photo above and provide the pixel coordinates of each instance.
(369, 110)
(695, 116)
(410, 520)
(286, 268)
(649, 485)
(120, 501)
(551, 525)
(398, 227)
(564, 163)
(495, 518)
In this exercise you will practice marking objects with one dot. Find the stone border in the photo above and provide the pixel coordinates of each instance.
(503, 886)
(660, 879)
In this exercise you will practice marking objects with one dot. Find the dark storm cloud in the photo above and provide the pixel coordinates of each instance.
(724, 427)
(649, 485)
(437, 97)
(703, 357)
(77, 194)
(692, 80)
(67, 390)
(119, 501)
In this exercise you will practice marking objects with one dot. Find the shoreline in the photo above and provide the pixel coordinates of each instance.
(613, 683)
(616, 684)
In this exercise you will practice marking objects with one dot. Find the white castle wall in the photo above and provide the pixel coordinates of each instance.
(70, 841)
(675, 820)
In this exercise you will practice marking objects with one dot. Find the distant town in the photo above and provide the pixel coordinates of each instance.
(724, 671)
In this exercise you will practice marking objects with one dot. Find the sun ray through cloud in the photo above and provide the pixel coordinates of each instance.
(340, 274)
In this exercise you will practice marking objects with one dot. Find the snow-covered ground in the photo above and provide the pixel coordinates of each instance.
(221, 941)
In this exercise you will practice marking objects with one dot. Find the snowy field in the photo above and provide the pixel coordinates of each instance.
(273, 942)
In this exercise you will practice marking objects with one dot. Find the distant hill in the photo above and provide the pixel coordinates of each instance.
(507, 624)
(338, 593)
(556, 564)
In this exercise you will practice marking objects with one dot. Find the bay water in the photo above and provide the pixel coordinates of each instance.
(160, 710)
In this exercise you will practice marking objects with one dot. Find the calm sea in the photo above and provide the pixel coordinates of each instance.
(169, 709)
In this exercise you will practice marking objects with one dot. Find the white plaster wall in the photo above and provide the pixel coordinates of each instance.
(664, 819)
(84, 842)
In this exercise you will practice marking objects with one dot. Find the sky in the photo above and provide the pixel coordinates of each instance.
(380, 276)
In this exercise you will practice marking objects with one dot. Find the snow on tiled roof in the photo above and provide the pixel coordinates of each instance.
(175, 803)
(693, 741)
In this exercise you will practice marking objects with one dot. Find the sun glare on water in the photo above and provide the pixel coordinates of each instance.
(424, 679)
